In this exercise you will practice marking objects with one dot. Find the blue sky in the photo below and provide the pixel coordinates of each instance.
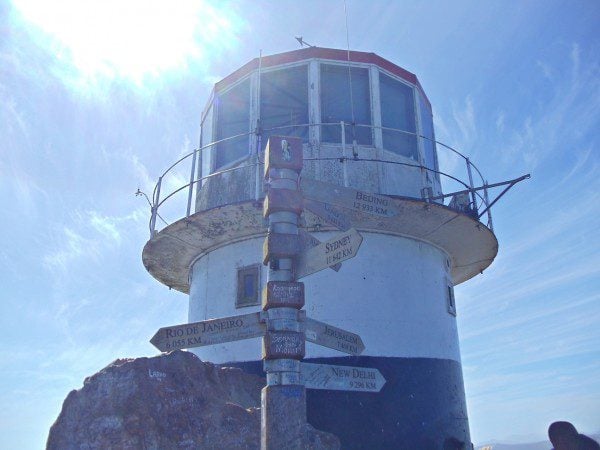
(97, 99)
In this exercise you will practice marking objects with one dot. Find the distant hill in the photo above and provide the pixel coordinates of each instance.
(541, 445)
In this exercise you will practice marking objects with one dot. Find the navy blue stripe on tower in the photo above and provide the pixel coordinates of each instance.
(421, 407)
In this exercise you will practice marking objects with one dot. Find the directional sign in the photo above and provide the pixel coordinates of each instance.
(341, 378)
(366, 202)
(332, 337)
(340, 248)
(308, 241)
(209, 332)
(330, 215)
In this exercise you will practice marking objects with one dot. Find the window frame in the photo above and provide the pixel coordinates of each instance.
(259, 87)
(434, 180)
(241, 301)
(217, 96)
(450, 298)
(415, 93)
(345, 64)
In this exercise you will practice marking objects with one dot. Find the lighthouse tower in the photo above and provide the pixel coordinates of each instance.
(366, 126)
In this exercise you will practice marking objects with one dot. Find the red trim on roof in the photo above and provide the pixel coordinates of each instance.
(321, 53)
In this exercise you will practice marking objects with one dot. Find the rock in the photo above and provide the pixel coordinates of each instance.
(171, 401)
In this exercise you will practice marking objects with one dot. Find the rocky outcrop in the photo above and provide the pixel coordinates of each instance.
(172, 401)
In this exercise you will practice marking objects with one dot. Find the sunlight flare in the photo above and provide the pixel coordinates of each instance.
(133, 39)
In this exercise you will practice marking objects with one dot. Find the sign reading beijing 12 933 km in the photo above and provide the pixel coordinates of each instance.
(365, 202)
(341, 378)
(328, 253)
(209, 332)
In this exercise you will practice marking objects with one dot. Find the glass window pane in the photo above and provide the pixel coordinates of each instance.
(428, 142)
(207, 138)
(284, 101)
(248, 286)
(233, 118)
(398, 111)
(336, 104)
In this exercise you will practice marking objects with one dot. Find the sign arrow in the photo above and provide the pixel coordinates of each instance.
(326, 212)
(209, 332)
(365, 202)
(340, 248)
(308, 241)
(341, 378)
(333, 337)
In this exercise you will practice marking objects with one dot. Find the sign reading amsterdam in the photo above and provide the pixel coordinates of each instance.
(209, 332)
(341, 378)
(332, 337)
(340, 248)
(366, 202)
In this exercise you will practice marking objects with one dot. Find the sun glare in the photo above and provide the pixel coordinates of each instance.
(128, 39)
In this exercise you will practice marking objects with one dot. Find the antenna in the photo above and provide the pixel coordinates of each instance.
(302, 42)
(355, 154)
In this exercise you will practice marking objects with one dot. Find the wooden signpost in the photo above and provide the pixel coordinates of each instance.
(337, 249)
(341, 378)
(209, 332)
(333, 337)
(366, 202)
(330, 215)
(291, 254)
(308, 241)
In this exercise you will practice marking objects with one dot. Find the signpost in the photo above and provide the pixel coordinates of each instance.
(283, 399)
(366, 202)
(308, 241)
(209, 332)
(330, 215)
(292, 253)
(340, 248)
(332, 337)
(341, 378)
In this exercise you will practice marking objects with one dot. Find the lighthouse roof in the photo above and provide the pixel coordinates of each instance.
(330, 54)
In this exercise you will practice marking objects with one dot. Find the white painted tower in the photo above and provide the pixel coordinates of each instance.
(366, 124)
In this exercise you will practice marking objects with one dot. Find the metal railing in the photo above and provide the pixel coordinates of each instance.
(477, 200)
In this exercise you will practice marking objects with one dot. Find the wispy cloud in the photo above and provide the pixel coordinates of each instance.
(545, 69)
(89, 242)
(572, 111)
(464, 117)
(500, 121)
(72, 247)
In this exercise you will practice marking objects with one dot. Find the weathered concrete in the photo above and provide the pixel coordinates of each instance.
(288, 402)
(169, 255)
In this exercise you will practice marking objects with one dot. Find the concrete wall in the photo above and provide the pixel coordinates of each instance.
(391, 179)
(393, 294)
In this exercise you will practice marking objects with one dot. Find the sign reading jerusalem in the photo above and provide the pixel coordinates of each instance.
(333, 337)
(340, 248)
(209, 332)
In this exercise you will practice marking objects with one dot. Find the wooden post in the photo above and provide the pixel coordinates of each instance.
(283, 400)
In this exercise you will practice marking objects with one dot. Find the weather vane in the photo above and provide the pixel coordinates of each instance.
(303, 42)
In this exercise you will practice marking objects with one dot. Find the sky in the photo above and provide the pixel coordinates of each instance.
(97, 99)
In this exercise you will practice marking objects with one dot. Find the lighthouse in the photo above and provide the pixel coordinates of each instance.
(369, 163)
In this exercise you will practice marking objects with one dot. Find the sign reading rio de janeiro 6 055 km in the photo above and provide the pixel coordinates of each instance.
(209, 332)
